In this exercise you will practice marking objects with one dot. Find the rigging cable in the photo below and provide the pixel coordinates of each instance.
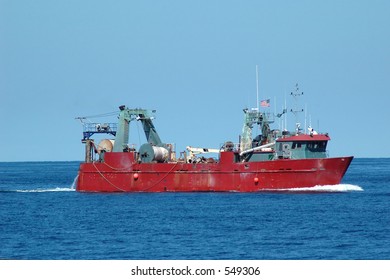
(100, 115)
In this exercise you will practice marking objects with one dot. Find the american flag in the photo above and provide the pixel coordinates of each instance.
(265, 103)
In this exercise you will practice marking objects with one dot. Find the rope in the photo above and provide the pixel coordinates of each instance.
(116, 169)
(139, 135)
(102, 115)
(162, 177)
(118, 188)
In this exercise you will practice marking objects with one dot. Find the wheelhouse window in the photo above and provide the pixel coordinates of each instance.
(296, 145)
(313, 146)
(317, 146)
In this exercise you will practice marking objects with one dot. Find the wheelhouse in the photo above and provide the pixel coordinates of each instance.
(302, 146)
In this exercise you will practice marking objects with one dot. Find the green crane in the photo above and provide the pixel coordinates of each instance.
(125, 117)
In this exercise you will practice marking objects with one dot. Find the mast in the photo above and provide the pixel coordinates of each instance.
(251, 116)
(305, 118)
(257, 87)
(285, 115)
(296, 110)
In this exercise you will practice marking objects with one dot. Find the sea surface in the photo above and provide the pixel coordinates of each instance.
(43, 217)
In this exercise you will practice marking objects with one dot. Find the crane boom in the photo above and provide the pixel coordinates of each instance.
(196, 151)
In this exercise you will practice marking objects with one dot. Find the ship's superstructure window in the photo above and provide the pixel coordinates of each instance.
(317, 146)
(297, 145)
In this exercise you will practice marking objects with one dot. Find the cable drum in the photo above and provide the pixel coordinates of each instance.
(160, 154)
(106, 145)
(150, 153)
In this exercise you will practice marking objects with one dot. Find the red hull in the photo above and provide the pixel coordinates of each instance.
(120, 173)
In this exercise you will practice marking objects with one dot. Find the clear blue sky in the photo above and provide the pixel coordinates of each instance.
(194, 62)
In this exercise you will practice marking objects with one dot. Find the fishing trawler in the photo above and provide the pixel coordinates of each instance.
(273, 160)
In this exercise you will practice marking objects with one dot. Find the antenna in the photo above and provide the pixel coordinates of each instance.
(305, 117)
(257, 87)
(285, 108)
(295, 111)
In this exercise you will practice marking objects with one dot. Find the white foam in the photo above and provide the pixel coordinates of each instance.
(47, 190)
(74, 183)
(327, 188)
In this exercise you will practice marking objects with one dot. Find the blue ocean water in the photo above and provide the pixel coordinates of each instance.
(42, 217)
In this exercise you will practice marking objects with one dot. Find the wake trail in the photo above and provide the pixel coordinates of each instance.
(45, 190)
(326, 188)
